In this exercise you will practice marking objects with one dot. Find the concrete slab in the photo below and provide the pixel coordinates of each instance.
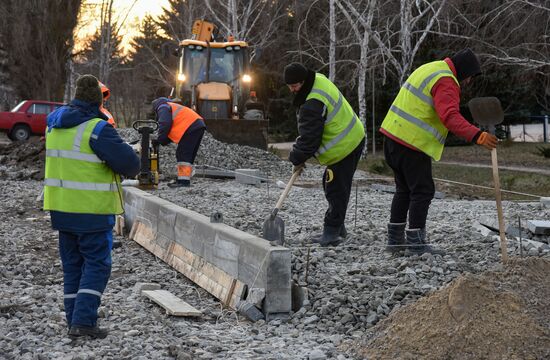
(213, 173)
(539, 227)
(245, 257)
(491, 223)
(248, 176)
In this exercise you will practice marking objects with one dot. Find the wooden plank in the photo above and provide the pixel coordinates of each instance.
(133, 230)
(211, 278)
(119, 225)
(171, 303)
(501, 226)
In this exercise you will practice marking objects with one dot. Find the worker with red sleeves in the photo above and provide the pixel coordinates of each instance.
(183, 126)
(416, 126)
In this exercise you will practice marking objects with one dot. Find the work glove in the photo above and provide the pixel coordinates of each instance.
(487, 140)
(298, 167)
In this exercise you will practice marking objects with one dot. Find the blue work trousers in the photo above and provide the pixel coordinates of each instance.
(86, 259)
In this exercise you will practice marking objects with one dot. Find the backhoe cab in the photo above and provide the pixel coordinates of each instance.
(213, 78)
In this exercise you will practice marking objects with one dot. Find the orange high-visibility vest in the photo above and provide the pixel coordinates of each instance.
(182, 118)
(106, 95)
(111, 119)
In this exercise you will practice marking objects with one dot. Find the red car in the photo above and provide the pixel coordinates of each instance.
(28, 117)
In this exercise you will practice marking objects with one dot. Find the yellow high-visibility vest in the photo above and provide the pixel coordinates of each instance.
(76, 180)
(412, 117)
(343, 130)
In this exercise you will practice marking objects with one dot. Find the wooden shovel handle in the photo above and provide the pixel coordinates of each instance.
(287, 189)
(502, 232)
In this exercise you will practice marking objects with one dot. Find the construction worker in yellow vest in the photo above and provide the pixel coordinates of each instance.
(416, 126)
(84, 157)
(330, 131)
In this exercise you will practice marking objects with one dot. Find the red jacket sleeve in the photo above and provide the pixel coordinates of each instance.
(446, 96)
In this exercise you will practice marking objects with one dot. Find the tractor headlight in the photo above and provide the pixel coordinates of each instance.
(247, 78)
(181, 77)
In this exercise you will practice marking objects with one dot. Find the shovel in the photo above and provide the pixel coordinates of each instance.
(487, 111)
(274, 226)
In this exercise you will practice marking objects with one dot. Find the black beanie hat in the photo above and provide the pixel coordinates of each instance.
(466, 64)
(295, 73)
(88, 90)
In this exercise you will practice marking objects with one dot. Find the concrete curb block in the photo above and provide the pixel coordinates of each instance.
(246, 257)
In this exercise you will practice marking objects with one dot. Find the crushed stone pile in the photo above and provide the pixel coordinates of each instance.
(23, 160)
(494, 315)
(218, 155)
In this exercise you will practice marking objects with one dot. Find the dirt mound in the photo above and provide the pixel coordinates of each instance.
(495, 315)
(23, 160)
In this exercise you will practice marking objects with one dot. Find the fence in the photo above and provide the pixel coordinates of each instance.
(537, 132)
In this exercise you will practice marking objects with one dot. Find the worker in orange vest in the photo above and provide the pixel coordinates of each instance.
(183, 126)
(106, 94)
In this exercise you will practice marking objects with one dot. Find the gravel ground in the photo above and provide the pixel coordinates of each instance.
(351, 287)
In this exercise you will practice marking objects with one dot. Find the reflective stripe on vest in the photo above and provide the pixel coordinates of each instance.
(76, 180)
(71, 154)
(336, 105)
(182, 118)
(110, 117)
(412, 117)
(78, 185)
(343, 131)
(418, 122)
(324, 148)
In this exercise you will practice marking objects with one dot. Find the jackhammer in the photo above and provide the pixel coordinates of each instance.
(148, 177)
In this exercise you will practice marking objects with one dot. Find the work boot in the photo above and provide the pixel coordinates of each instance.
(343, 234)
(416, 243)
(330, 237)
(116, 244)
(91, 331)
(396, 238)
(343, 231)
(179, 183)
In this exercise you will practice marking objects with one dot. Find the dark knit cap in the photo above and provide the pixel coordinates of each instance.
(295, 73)
(466, 64)
(88, 90)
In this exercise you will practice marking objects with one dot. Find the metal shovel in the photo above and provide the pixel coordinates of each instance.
(274, 226)
(487, 111)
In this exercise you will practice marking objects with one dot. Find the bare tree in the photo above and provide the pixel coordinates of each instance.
(256, 22)
(36, 39)
(332, 41)
(361, 29)
(399, 33)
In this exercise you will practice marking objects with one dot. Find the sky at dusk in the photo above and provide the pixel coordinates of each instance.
(132, 12)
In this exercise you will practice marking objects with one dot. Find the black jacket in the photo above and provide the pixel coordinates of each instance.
(311, 123)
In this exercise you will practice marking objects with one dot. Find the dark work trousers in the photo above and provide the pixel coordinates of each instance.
(414, 185)
(337, 183)
(86, 259)
(189, 145)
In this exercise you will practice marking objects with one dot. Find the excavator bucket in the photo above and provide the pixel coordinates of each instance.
(244, 132)
(214, 105)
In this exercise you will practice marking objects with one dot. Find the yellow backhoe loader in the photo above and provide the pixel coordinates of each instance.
(214, 79)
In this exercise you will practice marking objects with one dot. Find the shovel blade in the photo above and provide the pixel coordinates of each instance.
(274, 230)
(486, 110)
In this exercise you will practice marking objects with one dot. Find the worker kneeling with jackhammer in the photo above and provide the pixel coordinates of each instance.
(183, 126)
